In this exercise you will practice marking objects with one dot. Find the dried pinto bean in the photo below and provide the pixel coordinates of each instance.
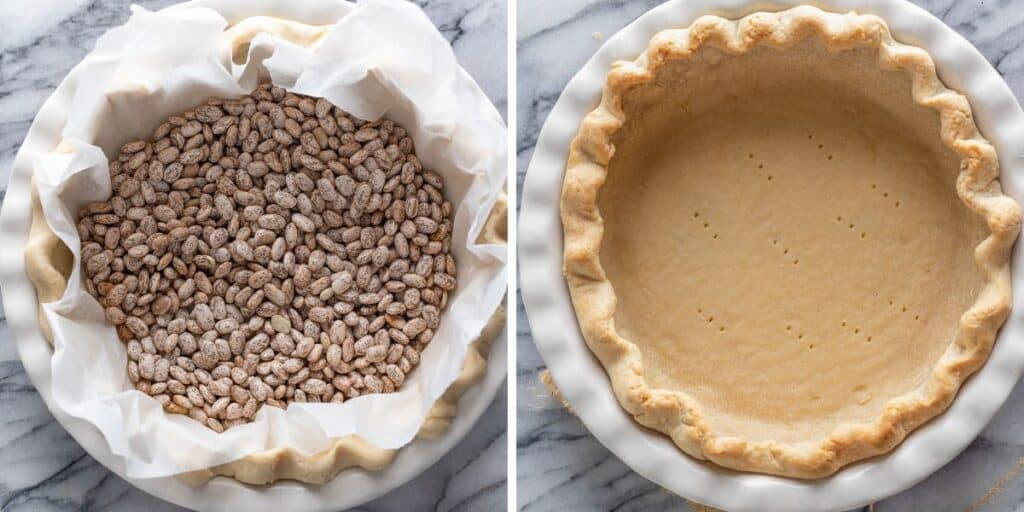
(266, 250)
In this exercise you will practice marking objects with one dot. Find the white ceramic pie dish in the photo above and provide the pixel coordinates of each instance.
(584, 382)
(350, 488)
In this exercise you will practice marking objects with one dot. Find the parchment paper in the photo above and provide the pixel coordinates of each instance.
(381, 58)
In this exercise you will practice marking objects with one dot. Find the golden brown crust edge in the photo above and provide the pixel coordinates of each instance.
(48, 264)
(675, 413)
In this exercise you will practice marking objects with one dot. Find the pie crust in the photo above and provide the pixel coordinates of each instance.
(49, 262)
(785, 239)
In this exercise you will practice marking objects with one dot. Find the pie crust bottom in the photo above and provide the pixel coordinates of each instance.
(786, 250)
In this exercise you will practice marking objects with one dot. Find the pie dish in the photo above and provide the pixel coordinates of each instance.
(785, 239)
(49, 263)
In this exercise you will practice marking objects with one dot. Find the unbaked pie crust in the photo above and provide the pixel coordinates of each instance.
(785, 239)
(49, 263)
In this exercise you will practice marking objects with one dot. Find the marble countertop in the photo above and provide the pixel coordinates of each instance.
(41, 466)
(561, 466)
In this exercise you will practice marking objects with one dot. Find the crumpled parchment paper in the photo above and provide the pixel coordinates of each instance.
(376, 58)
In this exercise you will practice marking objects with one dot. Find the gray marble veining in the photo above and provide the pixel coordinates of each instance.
(561, 466)
(41, 467)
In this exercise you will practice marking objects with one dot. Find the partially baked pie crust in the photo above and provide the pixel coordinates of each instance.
(785, 239)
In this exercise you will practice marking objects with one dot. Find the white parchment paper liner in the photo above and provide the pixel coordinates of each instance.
(384, 58)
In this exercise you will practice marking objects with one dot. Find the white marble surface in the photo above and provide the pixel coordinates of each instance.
(561, 466)
(44, 469)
